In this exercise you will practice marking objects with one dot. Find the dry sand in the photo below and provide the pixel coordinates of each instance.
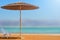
(36, 37)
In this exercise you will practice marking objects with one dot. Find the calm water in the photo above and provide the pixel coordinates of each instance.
(34, 30)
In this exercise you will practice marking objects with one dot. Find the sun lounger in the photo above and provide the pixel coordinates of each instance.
(7, 35)
(10, 37)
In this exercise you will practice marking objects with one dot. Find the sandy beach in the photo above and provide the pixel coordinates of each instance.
(36, 37)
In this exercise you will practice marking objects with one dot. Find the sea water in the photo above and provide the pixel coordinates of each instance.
(41, 30)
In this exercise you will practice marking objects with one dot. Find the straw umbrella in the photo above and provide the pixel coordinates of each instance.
(20, 6)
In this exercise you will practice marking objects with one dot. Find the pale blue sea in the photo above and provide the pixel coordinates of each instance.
(34, 30)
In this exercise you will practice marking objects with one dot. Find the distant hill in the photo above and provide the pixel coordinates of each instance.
(30, 23)
(9, 23)
(41, 23)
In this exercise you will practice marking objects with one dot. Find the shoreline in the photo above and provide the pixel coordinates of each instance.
(33, 34)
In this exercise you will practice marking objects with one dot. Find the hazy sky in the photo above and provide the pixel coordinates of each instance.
(48, 10)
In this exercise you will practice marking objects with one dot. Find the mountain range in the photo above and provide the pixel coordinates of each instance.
(30, 23)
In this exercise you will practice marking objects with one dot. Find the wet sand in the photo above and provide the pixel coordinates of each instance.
(36, 37)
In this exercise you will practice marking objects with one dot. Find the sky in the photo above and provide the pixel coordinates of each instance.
(48, 10)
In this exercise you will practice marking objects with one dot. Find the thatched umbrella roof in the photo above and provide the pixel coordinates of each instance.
(19, 6)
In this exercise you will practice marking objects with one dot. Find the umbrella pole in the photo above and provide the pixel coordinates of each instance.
(20, 23)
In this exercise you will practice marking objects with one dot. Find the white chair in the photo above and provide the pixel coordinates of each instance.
(5, 33)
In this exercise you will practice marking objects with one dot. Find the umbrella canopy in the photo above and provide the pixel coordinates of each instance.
(20, 6)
